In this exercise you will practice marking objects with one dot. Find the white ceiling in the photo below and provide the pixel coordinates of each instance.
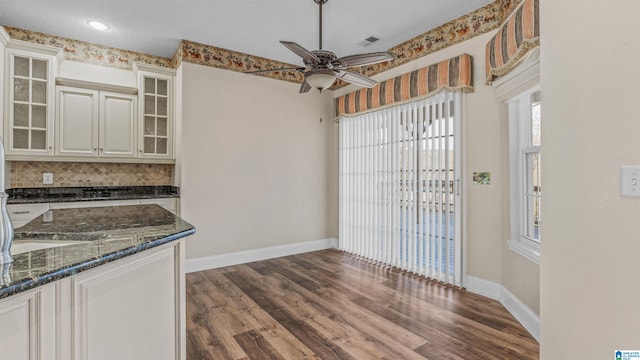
(250, 26)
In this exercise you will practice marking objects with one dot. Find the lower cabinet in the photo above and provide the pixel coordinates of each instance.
(27, 325)
(132, 308)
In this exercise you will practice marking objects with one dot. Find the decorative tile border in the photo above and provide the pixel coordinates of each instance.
(475, 23)
(76, 50)
(28, 174)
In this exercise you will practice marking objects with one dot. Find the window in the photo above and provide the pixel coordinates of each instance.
(525, 124)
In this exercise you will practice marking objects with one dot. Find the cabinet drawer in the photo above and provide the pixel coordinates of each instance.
(26, 212)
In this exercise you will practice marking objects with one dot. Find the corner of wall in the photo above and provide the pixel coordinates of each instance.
(520, 311)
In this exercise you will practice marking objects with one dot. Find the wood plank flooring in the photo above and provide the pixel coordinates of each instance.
(333, 305)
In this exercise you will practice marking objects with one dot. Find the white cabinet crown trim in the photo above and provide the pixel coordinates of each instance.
(90, 85)
(161, 70)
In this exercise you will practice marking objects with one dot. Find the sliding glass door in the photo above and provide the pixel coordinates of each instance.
(399, 186)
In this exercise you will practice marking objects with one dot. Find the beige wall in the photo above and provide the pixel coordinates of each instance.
(486, 207)
(590, 256)
(254, 161)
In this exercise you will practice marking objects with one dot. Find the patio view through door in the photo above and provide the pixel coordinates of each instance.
(399, 186)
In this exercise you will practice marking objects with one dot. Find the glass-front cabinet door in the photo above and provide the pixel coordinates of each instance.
(155, 139)
(156, 117)
(28, 130)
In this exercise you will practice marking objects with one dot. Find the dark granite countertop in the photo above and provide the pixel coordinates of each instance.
(91, 237)
(66, 194)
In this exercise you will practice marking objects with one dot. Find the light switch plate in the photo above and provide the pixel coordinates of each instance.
(630, 180)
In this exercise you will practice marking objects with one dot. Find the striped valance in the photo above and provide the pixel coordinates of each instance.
(453, 74)
(519, 34)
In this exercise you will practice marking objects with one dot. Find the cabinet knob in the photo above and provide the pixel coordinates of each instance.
(101, 149)
(95, 149)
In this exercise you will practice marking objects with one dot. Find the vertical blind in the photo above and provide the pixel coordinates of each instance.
(398, 186)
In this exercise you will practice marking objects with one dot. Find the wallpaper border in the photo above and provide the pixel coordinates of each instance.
(477, 22)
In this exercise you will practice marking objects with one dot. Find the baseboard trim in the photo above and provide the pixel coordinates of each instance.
(517, 308)
(243, 257)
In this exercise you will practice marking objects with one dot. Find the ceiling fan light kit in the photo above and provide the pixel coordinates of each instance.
(323, 67)
(320, 79)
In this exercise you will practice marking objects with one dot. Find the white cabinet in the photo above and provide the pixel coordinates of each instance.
(29, 100)
(47, 118)
(132, 308)
(95, 123)
(77, 122)
(127, 310)
(27, 325)
(118, 123)
(156, 117)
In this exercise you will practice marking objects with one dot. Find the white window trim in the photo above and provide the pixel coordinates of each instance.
(518, 242)
(521, 81)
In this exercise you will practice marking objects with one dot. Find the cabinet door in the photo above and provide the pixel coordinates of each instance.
(27, 325)
(130, 309)
(156, 120)
(118, 125)
(77, 122)
(29, 103)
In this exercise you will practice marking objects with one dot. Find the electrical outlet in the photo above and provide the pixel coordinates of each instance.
(47, 216)
(47, 178)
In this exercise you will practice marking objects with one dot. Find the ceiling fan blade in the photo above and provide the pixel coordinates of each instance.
(273, 70)
(355, 78)
(305, 87)
(305, 54)
(363, 59)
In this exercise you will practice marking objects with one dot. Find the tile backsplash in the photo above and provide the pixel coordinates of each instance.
(28, 174)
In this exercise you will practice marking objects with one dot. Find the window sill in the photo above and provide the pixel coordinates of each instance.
(527, 249)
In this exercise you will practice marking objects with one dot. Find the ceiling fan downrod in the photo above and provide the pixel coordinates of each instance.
(320, 3)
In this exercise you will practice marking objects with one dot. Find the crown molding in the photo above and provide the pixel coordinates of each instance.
(4, 36)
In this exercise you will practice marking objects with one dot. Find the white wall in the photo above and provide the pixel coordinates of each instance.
(254, 161)
(590, 255)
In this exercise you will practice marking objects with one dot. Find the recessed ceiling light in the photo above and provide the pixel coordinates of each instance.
(98, 25)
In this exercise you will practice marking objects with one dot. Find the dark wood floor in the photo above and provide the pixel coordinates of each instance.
(332, 305)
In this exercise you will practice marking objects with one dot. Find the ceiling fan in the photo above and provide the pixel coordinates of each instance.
(323, 67)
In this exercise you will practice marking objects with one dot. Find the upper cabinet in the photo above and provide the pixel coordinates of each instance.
(50, 118)
(96, 123)
(29, 99)
(156, 123)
